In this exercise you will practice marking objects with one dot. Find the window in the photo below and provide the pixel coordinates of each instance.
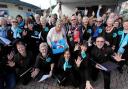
(3, 6)
(29, 10)
(20, 8)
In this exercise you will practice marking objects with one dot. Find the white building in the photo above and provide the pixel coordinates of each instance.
(15, 7)
(68, 6)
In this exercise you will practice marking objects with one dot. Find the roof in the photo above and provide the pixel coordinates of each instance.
(92, 2)
(18, 2)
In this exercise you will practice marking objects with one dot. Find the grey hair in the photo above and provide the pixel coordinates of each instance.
(42, 18)
(59, 21)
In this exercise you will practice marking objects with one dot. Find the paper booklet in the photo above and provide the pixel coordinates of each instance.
(5, 41)
(44, 77)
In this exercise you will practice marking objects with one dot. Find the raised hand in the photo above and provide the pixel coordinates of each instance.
(77, 46)
(107, 43)
(100, 6)
(11, 63)
(10, 56)
(118, 57)
(78, 61)
(93, 13)
(88, 85)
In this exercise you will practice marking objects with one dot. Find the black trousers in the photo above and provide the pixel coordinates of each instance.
(56, 58)
(81, 76)
(25, 79)
(67, 78)
(106, 75)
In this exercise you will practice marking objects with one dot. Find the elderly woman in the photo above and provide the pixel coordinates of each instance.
(66, 23)
(86, 29)
(57, 41)
(110, 34)
(44, 63)
(15, 29)
(45, 29)
(56, 35)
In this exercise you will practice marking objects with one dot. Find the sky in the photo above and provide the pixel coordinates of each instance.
(44, 4)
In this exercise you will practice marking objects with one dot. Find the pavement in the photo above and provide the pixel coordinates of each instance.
(118, 81)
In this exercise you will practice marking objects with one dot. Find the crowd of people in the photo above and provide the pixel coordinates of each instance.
(72, 50)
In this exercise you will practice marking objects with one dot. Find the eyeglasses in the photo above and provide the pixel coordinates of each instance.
(14, 22)
(100, 41)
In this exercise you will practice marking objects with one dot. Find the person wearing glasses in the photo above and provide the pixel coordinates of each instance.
(74, 35)
(15, 29)
(97, 28)
(101, 53)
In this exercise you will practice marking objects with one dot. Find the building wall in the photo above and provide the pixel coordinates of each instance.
(14, 11)
(69, 8)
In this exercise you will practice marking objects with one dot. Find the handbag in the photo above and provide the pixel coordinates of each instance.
(59, 46)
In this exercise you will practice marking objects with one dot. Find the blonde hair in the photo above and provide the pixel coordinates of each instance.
(59, 21)
(42, 18)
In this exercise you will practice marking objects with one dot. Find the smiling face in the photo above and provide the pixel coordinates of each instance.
(110, 22)
(100, 42)
(14, 23)
(43, 23)
(59, 25)
(99, 21)
(67, 55)
(85, 20)
(43, 49)
(116, 24)
(21, 48)
(73, 20)
(125, 25)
